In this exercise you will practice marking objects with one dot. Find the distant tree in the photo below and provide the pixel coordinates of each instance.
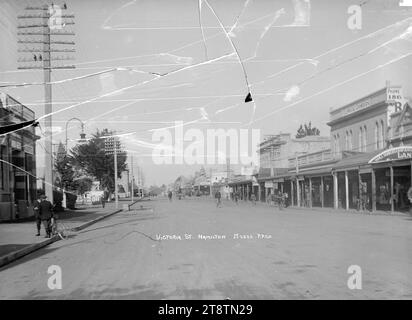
(307, 130)
(92, 158)
(83, 184)
(155, 190)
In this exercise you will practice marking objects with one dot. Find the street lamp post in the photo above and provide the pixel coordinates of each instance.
(82, 134)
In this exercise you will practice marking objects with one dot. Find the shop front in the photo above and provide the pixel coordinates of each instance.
(375, 181)
(392, 174)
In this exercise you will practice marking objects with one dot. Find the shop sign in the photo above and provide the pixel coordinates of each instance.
(255, 183)
(268, 184)
(399, 153)
(395, 101)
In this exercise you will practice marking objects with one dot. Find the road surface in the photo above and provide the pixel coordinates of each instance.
(289, 254)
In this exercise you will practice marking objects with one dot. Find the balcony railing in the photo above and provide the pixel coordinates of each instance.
(311, 158)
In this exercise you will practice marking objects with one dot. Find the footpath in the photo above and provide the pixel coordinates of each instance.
(18, 238)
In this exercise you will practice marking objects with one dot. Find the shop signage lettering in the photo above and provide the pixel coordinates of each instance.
(355, 107)
(398, 153)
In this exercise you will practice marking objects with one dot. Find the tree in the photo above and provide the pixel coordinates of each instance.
(83, 184)
(92, 158)
(155, 190)
(307, 130)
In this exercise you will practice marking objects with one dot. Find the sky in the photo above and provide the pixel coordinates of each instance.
(146, 65)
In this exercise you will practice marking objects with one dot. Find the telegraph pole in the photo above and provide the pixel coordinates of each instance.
(112, 145)
(39, 31)
(115, 176)
(132, 178)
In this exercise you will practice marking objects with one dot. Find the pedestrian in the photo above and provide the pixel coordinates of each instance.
(37, 215)
(286, 197)
(104, 198)
(218, 197)
(170, 194)
(46, 214)
(410, 199)
(253, 198)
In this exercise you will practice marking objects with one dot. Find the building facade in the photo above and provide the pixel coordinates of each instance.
(18, 161)
(275, 152)
(369, 163)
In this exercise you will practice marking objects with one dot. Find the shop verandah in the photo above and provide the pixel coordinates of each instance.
(367, 181)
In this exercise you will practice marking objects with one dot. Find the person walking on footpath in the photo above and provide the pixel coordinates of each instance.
(104, 197)
(37, 215)
(169, 195)
(253, 199)
(218, 197)
(46, 214)
(410, 199)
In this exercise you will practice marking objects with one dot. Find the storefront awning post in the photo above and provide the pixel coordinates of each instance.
(335, 190)
(310, 192)
(392, 186)
(373, 190)
(346, 190)
(322, 194)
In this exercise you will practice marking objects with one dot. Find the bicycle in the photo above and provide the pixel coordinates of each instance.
(60, 229)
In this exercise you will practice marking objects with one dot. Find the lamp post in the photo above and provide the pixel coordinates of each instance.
(82, 134)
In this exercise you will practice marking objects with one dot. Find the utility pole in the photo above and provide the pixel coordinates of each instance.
(132, 177)
(112, 146)
(115, 176)
(36, 45)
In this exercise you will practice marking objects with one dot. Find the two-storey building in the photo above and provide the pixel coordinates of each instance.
(369, 161)
(17, 161)
(275, 151)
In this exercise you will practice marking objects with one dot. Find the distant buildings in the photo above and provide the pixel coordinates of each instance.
(18, 161)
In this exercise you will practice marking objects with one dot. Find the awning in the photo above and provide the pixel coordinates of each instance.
(316, 172)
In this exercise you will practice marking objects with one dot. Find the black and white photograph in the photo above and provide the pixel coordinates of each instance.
(225, 150)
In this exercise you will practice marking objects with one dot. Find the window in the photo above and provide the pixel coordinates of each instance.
(377, 144)
(337, 143)
(360, 140)
(347, 140)
(382, 134)
(350, 140)
(365, 138)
